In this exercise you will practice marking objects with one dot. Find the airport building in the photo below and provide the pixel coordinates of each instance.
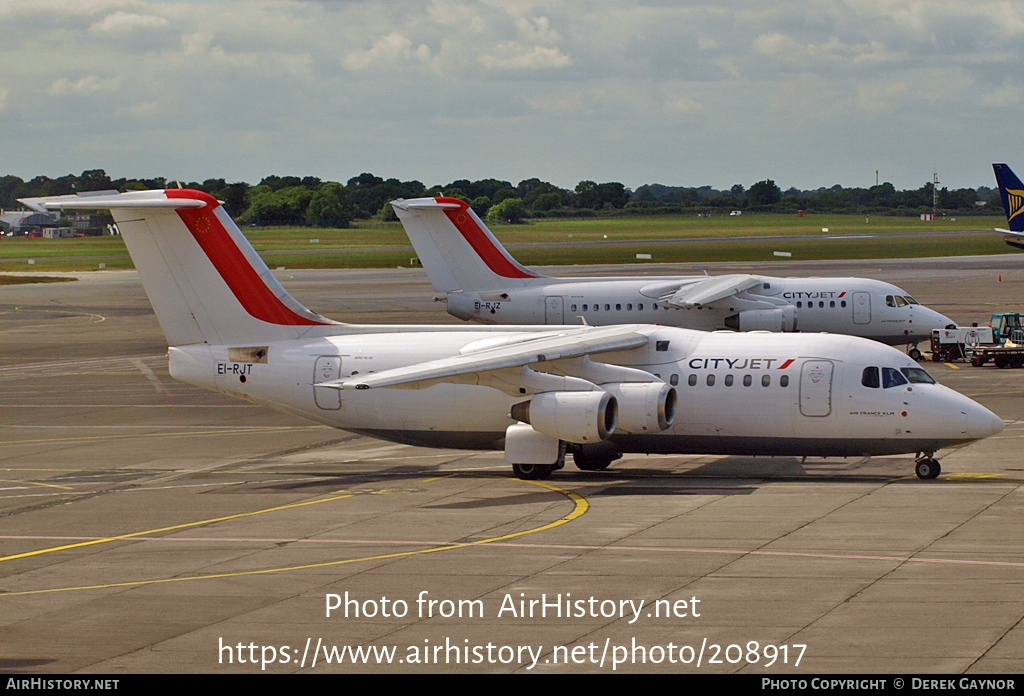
(22, 222)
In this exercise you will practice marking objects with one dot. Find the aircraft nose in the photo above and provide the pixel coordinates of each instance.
(933, 320)
(983, 423)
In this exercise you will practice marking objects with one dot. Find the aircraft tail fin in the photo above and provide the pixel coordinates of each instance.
(455, 247)
(205, 281)
(1011, 190)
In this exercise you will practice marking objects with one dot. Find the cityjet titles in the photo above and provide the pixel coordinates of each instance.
(818, 295)
(740, 363)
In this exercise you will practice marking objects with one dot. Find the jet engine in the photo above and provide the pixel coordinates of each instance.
(644, 407)
(583, 416)
(463, 305)
(778, 319)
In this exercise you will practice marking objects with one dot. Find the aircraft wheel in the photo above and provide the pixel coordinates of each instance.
(927, 468)
(591, 462)
(914, 354)
(532, 472)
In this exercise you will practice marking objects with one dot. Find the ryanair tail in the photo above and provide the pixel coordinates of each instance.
(1011, 190)
(205, 281)
(455, 247)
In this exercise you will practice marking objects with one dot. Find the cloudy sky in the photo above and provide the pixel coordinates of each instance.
(806, 92)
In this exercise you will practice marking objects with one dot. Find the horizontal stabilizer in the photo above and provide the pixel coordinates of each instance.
(111, 200)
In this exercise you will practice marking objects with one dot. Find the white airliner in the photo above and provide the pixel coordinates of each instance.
(596, 391)
(482, 282)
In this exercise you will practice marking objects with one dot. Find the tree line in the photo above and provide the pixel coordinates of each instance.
(310, 201)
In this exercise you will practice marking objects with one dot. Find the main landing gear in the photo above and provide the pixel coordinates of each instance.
(597, 457)
(532, 472)
(914, 352)
(927, 466)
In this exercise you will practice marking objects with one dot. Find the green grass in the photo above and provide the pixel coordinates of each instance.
(74, 254)
(24, 280)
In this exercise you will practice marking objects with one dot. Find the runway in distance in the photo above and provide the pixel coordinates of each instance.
(482, 282)
(1011, 190)
(535, 393)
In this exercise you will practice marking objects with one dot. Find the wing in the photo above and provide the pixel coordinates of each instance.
(1014, 239)
(506, 367)
(701, 291)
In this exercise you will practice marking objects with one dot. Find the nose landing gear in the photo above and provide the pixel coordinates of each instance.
(927, 466)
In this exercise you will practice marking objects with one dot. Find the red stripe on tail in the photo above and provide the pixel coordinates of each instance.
(497, 261)
(246, 285)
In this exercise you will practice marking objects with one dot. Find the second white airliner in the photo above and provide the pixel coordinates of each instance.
(481, 281)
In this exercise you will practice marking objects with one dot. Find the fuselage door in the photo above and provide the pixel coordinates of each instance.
(553, 310)
(861, 308)
(325, 370)
(816, 388)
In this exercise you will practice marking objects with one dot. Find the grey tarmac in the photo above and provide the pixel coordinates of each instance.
(149, 526)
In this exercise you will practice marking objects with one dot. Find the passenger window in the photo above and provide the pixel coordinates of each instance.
(572, 308)
(832, 304)
(784, 381)
(821, 304)
(673, 380)
(692, 380)
(917, 376)
(799, 305)
(870, 377)
(728, 380)
(607, 307)
(843, 303)
(629, 307)
(584, 308)
(711, 380)
(766, 381)
(747, 381)
(618, 308)
(891, 377)
(640, 307)
(655, 305)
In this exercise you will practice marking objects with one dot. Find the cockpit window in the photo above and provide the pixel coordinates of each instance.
(890, 301)
(870, 377)
(900, 302)
(917, 376)
(891, 377)
(911, 300)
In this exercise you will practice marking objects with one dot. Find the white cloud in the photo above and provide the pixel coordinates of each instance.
(1003, 97)
(391, 50)
(85, 86)
(516, 56)
(121, 22)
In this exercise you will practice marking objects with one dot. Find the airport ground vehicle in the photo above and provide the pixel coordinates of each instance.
(950, 344)
(1006, 345)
